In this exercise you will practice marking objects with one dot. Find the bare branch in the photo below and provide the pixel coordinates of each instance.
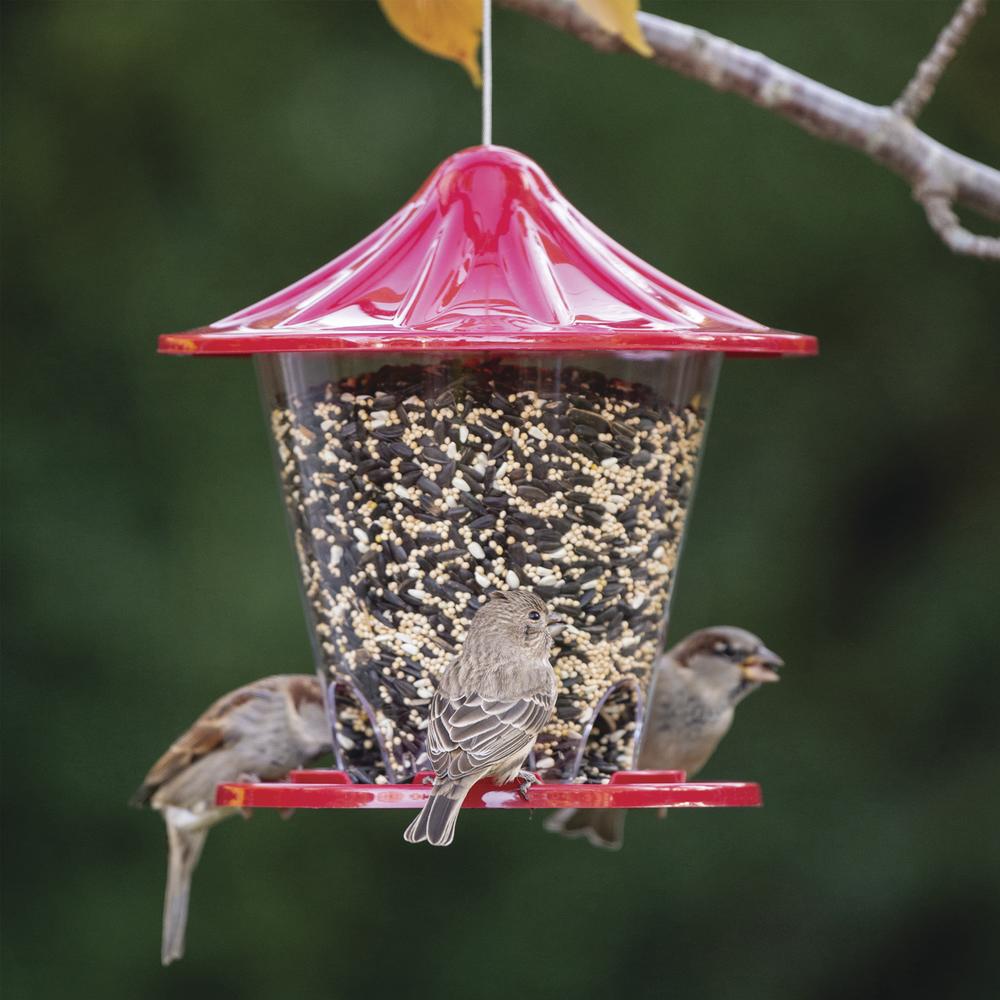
(931, 169)
(944, 222)
(921, 88)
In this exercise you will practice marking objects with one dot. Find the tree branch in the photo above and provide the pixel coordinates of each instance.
(921, 88)
(944, 222)
(938, 176)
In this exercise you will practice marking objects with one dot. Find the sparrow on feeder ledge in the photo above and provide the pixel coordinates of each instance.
(260, 731)
(493, 700)
(696, 687)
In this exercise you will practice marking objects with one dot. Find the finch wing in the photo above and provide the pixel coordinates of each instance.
(468, 735)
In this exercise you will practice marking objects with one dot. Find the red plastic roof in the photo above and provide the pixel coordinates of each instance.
(487, 255)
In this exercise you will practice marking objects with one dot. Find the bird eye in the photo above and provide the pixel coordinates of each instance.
(724, 649)
(534, 616)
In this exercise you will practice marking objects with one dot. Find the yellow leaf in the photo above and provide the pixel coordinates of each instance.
(446, 28)
(617, 17)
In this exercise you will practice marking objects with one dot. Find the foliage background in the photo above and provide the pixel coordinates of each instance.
(169, 162)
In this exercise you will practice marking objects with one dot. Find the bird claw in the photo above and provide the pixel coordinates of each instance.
(527, 779)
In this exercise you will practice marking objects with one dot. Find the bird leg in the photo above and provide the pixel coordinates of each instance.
(527, 779)
(247, 778)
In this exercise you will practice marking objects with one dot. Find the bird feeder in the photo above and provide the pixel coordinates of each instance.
(486, 393)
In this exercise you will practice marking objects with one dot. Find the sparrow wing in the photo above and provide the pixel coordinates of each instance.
(223, 723)
(469, 735)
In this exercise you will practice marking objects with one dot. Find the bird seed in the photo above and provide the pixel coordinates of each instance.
(416, 489)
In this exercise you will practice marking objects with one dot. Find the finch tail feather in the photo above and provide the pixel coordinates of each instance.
(185, 850)
(435, 823)
(603, 828)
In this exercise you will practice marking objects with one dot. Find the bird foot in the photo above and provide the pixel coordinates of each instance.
(527, 779)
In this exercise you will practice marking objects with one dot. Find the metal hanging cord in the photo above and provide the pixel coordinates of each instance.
(487, 56)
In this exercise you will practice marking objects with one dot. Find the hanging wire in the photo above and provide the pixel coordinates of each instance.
(487, 73)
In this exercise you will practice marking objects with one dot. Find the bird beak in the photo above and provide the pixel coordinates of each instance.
(762, 667)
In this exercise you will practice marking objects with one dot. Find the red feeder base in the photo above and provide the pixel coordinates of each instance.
(626, 790)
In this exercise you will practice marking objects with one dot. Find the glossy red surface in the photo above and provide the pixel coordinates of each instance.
(626, 790)
(486, 256)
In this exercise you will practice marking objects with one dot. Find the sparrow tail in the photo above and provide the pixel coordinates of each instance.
(435, 823)
(601, 827)
(142, 796)
(184, 851)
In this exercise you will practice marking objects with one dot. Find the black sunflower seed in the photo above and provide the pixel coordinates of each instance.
(470, 473)
(471, 503)
(556, 448)
(532, 493)
(429, 487)
(500, 447)
(433, 454)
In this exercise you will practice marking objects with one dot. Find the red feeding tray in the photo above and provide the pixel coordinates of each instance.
(626, 790)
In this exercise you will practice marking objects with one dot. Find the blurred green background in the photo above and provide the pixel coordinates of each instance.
(169, 162)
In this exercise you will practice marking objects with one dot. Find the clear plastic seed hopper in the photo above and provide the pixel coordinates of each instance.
(486, 393)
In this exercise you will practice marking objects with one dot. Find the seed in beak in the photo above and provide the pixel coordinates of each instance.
(761, 668)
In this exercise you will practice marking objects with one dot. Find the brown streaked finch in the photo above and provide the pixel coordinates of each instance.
(260, 731)
(493, 700)
(696, 687)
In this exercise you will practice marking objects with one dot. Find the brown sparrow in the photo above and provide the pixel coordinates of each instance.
(493, 700)
(261, 731)
(696, 687)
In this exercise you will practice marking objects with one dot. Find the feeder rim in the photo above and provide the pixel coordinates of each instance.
(247, 342)
(626, 790)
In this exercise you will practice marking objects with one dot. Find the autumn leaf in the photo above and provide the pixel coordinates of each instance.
(617, 17)
(446, 28)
